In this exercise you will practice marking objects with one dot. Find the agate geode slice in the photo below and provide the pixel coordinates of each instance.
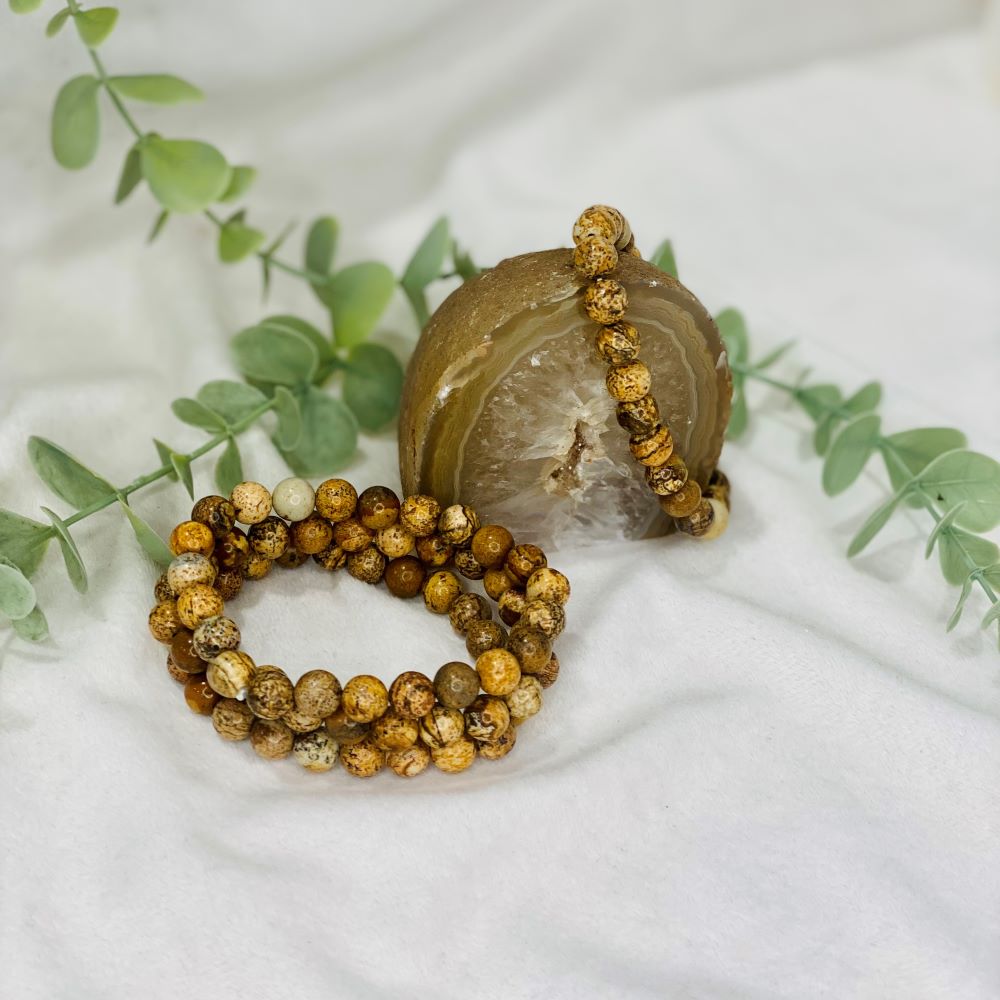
(504, 403)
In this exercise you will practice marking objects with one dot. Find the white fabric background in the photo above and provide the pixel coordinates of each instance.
(765, 772)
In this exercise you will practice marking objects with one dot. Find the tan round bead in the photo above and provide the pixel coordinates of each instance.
(252, 502)
(547, 584)
(595, 255)
(457, 524)
(257, 567)
(312, 535)
(638, 416)
(490, 545)
(197, 603)
(317, 693)
(441, 590)
(511, 605)
(216, 513)
(200, 698)
(531, 646)
(441, 726)
(617, 343)
(455, 756)
(232, 719)
(179, 675)
(522, 561)
(271, 739)
(316, 751)
(368, 565)
(336, 499)
(628, 382)
(419, 513)
(487, 718)
(525, 700)
(190, 568)
(394, 541)
(230, 673)
(192, 536)
(299, 722)
(599, 220)
(684, 502)
(214, 635)
(667, 479)
(351, 535)
(164, 621)
(699, 522)
(433, 551)
(500, 747)
(496, 582)
(162, 591)
(229, 583)
(410, 762)
(548, 675)
(270, 693)
(394, 732)
(498, 671)
(548, 616)
(468, 565)
(456, 685)
(364, 698)
(405, 576)
(652, 449)
(291, 558)
(378, 507)
(232, 550)
(482, 635)
(468, 608)
(412, 694)
(344, 730)
(332, 558)
(605, 300)
(362, 759)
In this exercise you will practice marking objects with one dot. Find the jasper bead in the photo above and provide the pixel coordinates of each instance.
(271, 739)
(351, 535)
(500, 747)
(595, 255)
(184, 655)
(522, 561)
(405, 576)
(548, 616)
(270, 537)
(164, 621)
(336, 499)
(468, 565)
(684, 502)
(441, 726)
(511, 605)
(393, 731)
(549, 673)
(628, 382)
(394, 541)
(490, 545)
(525, 700)
(200, 698)
(190, 568)
(232, 550)
(605, 300)
(441, 590)
(410, 762)
(192, 536)
(230, 673)
(181, 676)
(412, 694)
(229, 583)
(482, 635)
(498, 671)
(487, 718)
(496, 582)
(547, 584)
(667, 479)
(599, 220)
(316, 751)
(162, 591)
(433, 551)
(364, 698)
(367, 565)
(344, 730)
(419, 513)
(456, 685)
(457, 524)
(195, 604)
(317, 693)
(293, 499)
(291, 558)
(468, 608)
(378, 507)
(531, 646)
(214, 635)
(232, 719)
(298, 722)
(312, 535)
(362, 759)
(332, 558)
(699, 522)
(252, 502)
(454, 757)
(217, 513)
(257, 567)
(652, 449)
(270, 693)
(638, 416)
(617, 343)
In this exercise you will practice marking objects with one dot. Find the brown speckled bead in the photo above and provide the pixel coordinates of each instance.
(496, 582)
(455, 756)
(217, 513)
(605, 300)
(252, 502)
(200, 698)
(190, 568)
(181, 676)
(230, 673)
(595, 255)
(718, 487)
(412, 694)
(394, 541)
(362, 759)
(291, 558)
(548, 675)
(652, 449)
(344, 730)
(441, 590)
(617, 343)
(491, 544)
(184, 655)
(367, 565)
(441, 726)
(257, 567)
(456, 685)
(410, 762)
(351, 535)
(270, 537)
(500, 747)
(457, 524)
(364, 698)
(599, 220)
(638, 416)
(547, 584)
(229, 583)
(405, 576)
(433, 551)
(684, 502)
(232, 719)
(468, 565)
(196, 604)
(482, 635)
(317, 692)
(316, 751)
(214, 635)
(332, 558)
(191, 536)
(667, 479)
(498, 671)
(419, 513)
(270, 693)
(378, 507)
(511, 605)
(468, 608)
(162, 591)
(531, 646)
(393, 731)
(164, 621)
(699, 521)
(487, 718)
(299, 722)
(628, 382)
(525, 700)
(232, 550)
(336, 499)
(312, 534)
(522, 561)
(548, 616)
(271, 739)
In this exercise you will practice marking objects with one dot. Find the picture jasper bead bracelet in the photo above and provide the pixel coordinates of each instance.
(465, 712)
(601, 234)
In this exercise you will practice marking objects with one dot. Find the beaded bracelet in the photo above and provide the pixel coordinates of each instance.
(462, 714)
(600, 234)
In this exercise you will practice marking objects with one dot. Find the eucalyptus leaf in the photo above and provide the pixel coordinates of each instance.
(75, 569)
(24, 6)
(239, 183)
(275, 355)
(156, 88)
(95, 25)
(865, 399)
(961, 552)
(229, 468)
(66, 476)
(738, 417)
(463, 263)
(151, 543)
(849, 452)
(329, 436)
(915, 450)
(357, 297)
(774, 357)
(57, 21)
(76, 122)
(876, 521)
(284, 321)
(991, 616)
(23, 541)
(373, 383)
(185, 175)
(321, 244)
(970, 476)
(182, 466)
(166, 454)
(664, 258)
(427, 261)
(818, 400)
(32, 626)
(17, 595)
(232, 401)
(161, 221)
(196, 414)
(942, 525)
(956, 615)
(237, 240)
(824, 432)
(289, 431)
(733, 328)
(131, 175)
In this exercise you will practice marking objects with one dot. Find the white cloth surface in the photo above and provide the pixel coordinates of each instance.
(765, 772)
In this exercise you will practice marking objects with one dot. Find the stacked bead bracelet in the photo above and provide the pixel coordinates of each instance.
(465, 712)
(600, 234)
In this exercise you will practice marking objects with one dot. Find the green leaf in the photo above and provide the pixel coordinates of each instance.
(916, 449)
(238, 240)
(357, 297)
(232, 401)
(131, 175)
(970, 476)
(239, 183)
(33, 626)
(991, 616)
(55, 25)
(17, 596)
(427, 261)
(961, 552)
(373, 383)
(284, 321)
(24, 6)
(23, 541)
(462, 262)
(663, 258)
(196, 414)
(849, 452)
(817, 400)
(161, 221)
(942, 525)
(67, 477)
(75, 569)
(289, 431)
(824, 432)
(229, 468)
(166, 454)
(184, 175)
(321, 244)
(95, 25)
(152, 544)
(865, 399)
(76, 122)
(329, 436)
(877, 520)
(182, 466)
(739, 417)
(156, 88)
(776, 355)
(733, 328)
(275, 355)
(956, 615)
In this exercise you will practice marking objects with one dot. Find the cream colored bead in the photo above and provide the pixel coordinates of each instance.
(525, 700)
(230, 673)
(441, 726)
(316, 751)
(719, 522)
(252, 502)
(409, 762)
(457, 524)
(547, 584)
(545, 615)
(498, 671)
(271, 739)
(394, 541)
(214, 635)
(293, 499)
(190, 568)
(455, 756)
(197, 603)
